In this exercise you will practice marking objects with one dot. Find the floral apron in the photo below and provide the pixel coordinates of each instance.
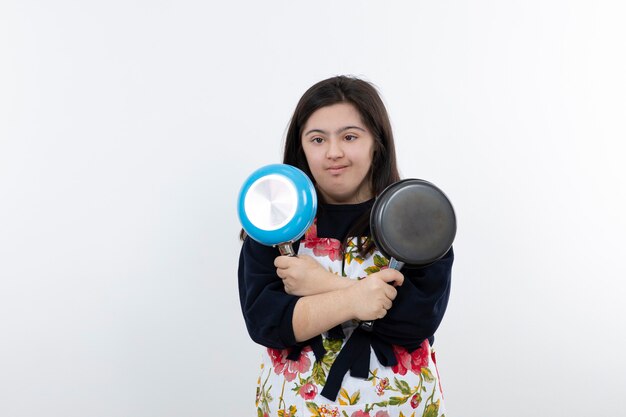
(290, 388)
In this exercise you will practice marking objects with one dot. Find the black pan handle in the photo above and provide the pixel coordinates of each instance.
(368, 326)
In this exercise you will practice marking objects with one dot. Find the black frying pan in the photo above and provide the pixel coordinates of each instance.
(412, 222)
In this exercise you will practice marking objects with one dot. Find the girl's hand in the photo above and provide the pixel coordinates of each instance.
(303, 275)
(372, 296)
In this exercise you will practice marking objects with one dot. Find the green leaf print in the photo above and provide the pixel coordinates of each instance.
(346, 399)
(397, 400)
(291, 413)
(432, 410)
(318, 374)
(321, 368)
(328, 360)
(332, 345)
(373, 376)
(371, 269)
(428, 376)
(352, 252)
(380, 261)
(348, 258)
(263, 396)
(403, 386)
(312, 407)
(355, 397)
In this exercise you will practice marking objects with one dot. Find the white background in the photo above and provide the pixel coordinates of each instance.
(127, 127)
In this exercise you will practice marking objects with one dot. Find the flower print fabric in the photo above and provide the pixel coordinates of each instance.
(413, 361)
(289, 368)
(291, 388)
(321, 247)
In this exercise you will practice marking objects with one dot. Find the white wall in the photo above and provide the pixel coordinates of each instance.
(127, 127)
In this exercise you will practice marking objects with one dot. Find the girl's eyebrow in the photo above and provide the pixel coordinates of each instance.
(343, 129)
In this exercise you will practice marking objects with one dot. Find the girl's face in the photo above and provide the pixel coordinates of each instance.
(339, 149)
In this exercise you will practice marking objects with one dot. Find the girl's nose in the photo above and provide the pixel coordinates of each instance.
(334, 150)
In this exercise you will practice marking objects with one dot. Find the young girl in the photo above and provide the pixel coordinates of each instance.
(306, 310)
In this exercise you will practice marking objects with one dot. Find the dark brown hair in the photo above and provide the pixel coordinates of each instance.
(365, 98)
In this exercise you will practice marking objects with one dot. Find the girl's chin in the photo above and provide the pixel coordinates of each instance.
(344, 199)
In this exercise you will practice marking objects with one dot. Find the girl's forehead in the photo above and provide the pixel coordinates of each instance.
(335, 115)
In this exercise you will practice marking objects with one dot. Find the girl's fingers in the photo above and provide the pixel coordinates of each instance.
(281, 261)
(391, 292)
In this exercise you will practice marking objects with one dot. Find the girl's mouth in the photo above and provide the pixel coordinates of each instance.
(337, 169)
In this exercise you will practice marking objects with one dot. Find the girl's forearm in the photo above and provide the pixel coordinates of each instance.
(335, 283)
(318, 313)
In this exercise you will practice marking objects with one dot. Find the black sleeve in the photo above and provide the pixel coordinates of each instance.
(267, 308)
(419, 306)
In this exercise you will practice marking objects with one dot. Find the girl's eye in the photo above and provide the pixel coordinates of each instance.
(317, 140)
(350, 138)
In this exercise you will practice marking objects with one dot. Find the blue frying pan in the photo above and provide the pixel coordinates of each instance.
(276, 205)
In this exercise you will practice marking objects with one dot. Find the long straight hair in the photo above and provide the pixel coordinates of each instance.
(365, 98)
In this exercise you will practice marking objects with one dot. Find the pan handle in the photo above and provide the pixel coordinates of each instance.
(286, 249)
(395, 264)
(368, 326)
